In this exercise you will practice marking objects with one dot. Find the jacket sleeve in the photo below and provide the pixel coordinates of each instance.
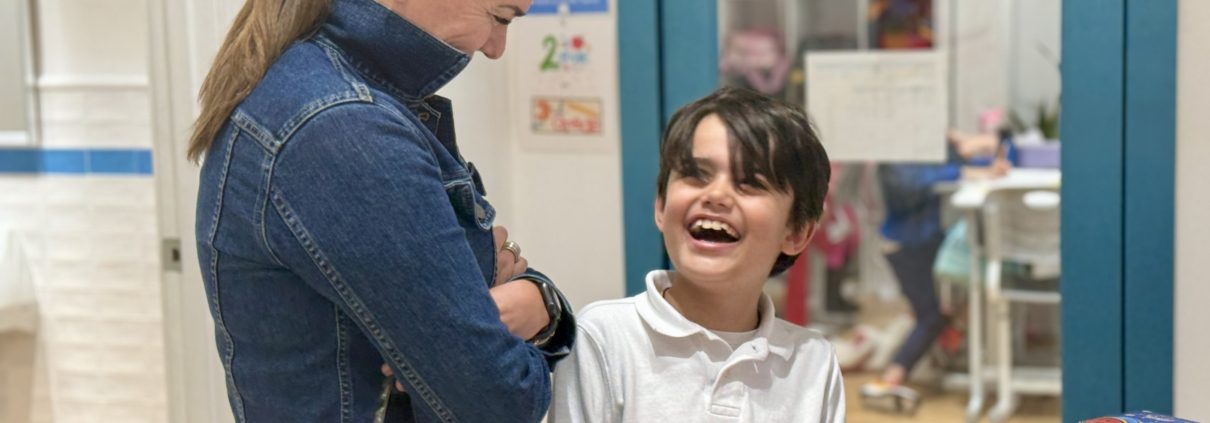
(362, 194)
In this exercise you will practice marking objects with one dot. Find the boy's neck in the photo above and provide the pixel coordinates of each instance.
(731, 311)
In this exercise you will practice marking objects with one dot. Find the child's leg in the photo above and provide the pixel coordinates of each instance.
(913, 267)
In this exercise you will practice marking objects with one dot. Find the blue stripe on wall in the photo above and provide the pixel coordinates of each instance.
(1150, 153)
(114, 161)
(1092, 312)
(639, 89)
(19, 161)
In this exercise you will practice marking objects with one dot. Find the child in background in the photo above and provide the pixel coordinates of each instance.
(741, 188)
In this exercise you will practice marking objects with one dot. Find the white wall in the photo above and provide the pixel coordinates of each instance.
(562, 207)
(1191, 369)
(568, 202)
(480, 97)
(92, 239)
(1034, 59)
(12, 71)
(980, 63)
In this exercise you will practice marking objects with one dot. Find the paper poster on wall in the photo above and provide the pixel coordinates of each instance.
(879, 106)
(570, 116)
(564, 72)
(567, 62)
(551, 7)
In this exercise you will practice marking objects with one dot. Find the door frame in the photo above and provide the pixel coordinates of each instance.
(1118, 78)
(184, 36)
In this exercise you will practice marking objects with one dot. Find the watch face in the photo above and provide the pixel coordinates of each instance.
(551, 298)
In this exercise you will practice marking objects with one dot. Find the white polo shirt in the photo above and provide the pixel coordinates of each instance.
(639, 360)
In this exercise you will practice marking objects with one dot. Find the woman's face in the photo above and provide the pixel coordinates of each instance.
(467, 25)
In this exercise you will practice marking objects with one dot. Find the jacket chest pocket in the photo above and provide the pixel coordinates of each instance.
(475, 215)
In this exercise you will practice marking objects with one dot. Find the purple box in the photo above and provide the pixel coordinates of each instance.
(1038, 155)
(1138, 417)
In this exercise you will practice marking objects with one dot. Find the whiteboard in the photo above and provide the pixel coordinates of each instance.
(879, 105)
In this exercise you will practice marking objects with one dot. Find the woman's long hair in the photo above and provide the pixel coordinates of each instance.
(261, 32)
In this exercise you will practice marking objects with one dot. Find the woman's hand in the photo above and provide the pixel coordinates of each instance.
(520, 302)
(509, 263)
(386, 371)
(521, 308)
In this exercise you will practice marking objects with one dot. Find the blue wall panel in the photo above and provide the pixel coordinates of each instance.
(1091, 129)
(1150, 180)
(639, 83)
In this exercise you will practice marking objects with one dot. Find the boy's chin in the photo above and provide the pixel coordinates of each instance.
(708, 270)
(724, 270)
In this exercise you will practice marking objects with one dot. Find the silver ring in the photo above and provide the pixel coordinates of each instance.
(513, 248)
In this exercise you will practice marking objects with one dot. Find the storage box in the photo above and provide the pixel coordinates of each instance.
(1044, 156)
(1138, 417)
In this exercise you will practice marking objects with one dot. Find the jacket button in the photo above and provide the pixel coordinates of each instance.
(424, 116)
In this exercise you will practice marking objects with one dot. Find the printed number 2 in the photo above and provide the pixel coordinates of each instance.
(550, 43)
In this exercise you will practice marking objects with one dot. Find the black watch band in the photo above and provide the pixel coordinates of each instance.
(554, 310)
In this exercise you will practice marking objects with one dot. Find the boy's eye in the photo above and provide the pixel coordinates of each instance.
(749, 189)
(753, 186)
(695, 175)
(501, 20)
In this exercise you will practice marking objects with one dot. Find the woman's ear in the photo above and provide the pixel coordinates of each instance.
(798, 238)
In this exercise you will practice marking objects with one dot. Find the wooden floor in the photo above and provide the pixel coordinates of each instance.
(942, 407)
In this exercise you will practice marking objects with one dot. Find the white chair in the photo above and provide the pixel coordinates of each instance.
(1013, 219)
(1020, 227)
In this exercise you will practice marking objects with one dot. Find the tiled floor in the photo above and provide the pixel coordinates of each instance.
(942, 407)
(937, 406)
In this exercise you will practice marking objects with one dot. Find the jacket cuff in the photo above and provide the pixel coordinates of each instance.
(560, 344)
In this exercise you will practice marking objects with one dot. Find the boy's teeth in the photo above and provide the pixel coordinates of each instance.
(715, 225)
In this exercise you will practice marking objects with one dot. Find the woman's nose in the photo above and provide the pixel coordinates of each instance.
(494, 48)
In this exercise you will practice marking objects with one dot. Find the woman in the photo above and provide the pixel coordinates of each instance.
(339, 228)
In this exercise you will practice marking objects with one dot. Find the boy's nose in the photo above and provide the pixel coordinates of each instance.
(719, 195)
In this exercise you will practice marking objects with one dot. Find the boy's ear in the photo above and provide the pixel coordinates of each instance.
(659, 215)
(796, 241)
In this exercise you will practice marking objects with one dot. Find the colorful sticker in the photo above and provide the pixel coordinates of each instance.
(564, 53)
(557, 115)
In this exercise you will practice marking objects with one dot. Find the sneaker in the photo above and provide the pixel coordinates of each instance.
(853, 352)
(886, 397)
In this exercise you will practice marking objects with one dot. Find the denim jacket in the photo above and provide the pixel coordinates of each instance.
(339, 228)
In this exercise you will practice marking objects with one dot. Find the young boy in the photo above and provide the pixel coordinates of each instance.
(741, 186)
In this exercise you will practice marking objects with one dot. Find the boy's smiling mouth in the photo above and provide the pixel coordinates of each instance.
(713, 231)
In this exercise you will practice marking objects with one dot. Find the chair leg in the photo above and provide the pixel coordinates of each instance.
(974, 338)
(974, 342)
(1005, 397)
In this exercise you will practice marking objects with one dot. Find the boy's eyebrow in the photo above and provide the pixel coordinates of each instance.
(704, 163)
(517, 12)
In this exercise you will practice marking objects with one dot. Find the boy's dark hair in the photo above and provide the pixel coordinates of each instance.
(766, 137)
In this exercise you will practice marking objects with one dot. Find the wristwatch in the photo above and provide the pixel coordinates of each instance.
(554, 309)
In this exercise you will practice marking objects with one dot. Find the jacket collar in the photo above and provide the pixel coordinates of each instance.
(390, 50)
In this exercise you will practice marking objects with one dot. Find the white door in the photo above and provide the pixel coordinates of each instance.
(184, 38)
